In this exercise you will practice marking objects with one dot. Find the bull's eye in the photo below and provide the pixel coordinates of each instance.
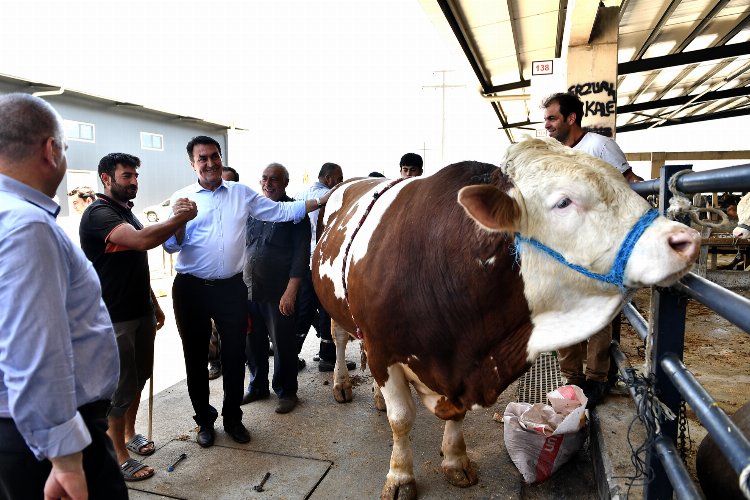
(563, 203)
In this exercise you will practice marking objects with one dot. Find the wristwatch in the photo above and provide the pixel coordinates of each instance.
(317, 200)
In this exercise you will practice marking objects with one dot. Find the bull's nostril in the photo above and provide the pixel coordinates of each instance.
(685, 243)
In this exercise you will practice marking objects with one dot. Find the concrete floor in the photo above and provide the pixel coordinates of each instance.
(323, 449)
(328, 450)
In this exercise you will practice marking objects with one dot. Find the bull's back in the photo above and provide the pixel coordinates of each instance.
(426, 287)
(336, 225)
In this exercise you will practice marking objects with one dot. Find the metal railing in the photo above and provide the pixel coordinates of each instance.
(673, 381)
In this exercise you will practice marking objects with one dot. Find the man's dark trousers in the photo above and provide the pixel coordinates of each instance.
(196, 302)
(22, 476)
(308, 311)
(268, 322)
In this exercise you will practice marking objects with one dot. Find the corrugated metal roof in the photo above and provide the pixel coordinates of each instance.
(679, 61)
(32, 87)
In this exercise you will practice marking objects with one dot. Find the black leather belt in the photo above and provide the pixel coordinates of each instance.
(218, 282)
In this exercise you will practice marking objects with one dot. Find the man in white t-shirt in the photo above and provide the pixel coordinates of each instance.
(562, 119)
(309, 311)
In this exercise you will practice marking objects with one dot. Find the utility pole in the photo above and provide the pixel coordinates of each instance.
(443, 86)
(424, 150)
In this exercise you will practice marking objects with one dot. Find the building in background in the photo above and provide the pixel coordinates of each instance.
(96, 126)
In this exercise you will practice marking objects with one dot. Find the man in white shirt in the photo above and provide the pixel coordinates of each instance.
(563, 114)
(307, 302)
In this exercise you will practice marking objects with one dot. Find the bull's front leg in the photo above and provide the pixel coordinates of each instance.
(377, 396)
(399, 483)
(457, 468)
(342, 384)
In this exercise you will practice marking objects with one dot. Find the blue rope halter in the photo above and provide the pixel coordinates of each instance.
(616, 275)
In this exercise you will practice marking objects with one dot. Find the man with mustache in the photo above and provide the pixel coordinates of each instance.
(116, 243)
(563, 115)
(209, 281)
(276, 261)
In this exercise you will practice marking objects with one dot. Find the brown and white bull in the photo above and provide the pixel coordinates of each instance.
(427, 273)
(742, 231)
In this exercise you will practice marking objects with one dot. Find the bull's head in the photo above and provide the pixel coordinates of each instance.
(581, 208)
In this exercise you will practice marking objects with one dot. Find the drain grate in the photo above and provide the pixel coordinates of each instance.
(543, 377)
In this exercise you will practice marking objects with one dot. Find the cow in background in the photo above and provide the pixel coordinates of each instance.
(444, 299)
(742, 231)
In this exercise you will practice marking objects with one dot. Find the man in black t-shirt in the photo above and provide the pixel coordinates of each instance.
(116, 243)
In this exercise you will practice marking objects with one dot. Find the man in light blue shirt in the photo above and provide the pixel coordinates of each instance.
(209, 282)
(58, 356)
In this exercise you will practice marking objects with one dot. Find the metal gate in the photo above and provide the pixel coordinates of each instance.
(673, 380)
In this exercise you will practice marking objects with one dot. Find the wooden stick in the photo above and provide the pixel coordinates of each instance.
(150, 406)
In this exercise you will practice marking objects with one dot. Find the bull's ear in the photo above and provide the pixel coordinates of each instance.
(491, 208)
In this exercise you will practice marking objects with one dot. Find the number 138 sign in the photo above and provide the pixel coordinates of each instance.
(541, 68)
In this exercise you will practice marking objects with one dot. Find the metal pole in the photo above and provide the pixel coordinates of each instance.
(683, 484)
(442, 131)
(638, 322)
(736, 178)
(728, 437)
(442, 87)
(669, 336)
(727, 304)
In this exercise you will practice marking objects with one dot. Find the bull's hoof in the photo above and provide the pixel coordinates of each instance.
(407, 491)
(342, 393)
(461, 477)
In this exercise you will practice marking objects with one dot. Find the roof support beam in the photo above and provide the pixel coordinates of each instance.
(469, 51)
(562, 12)
(737, 28)
(508, 86)
(701, 26)
(657, 29)
(679, 101)
(514, 32)
(736, 49)
(583, 17)
(690, 119)
(471, 56)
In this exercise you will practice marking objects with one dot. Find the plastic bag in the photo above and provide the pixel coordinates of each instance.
(541, 438)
